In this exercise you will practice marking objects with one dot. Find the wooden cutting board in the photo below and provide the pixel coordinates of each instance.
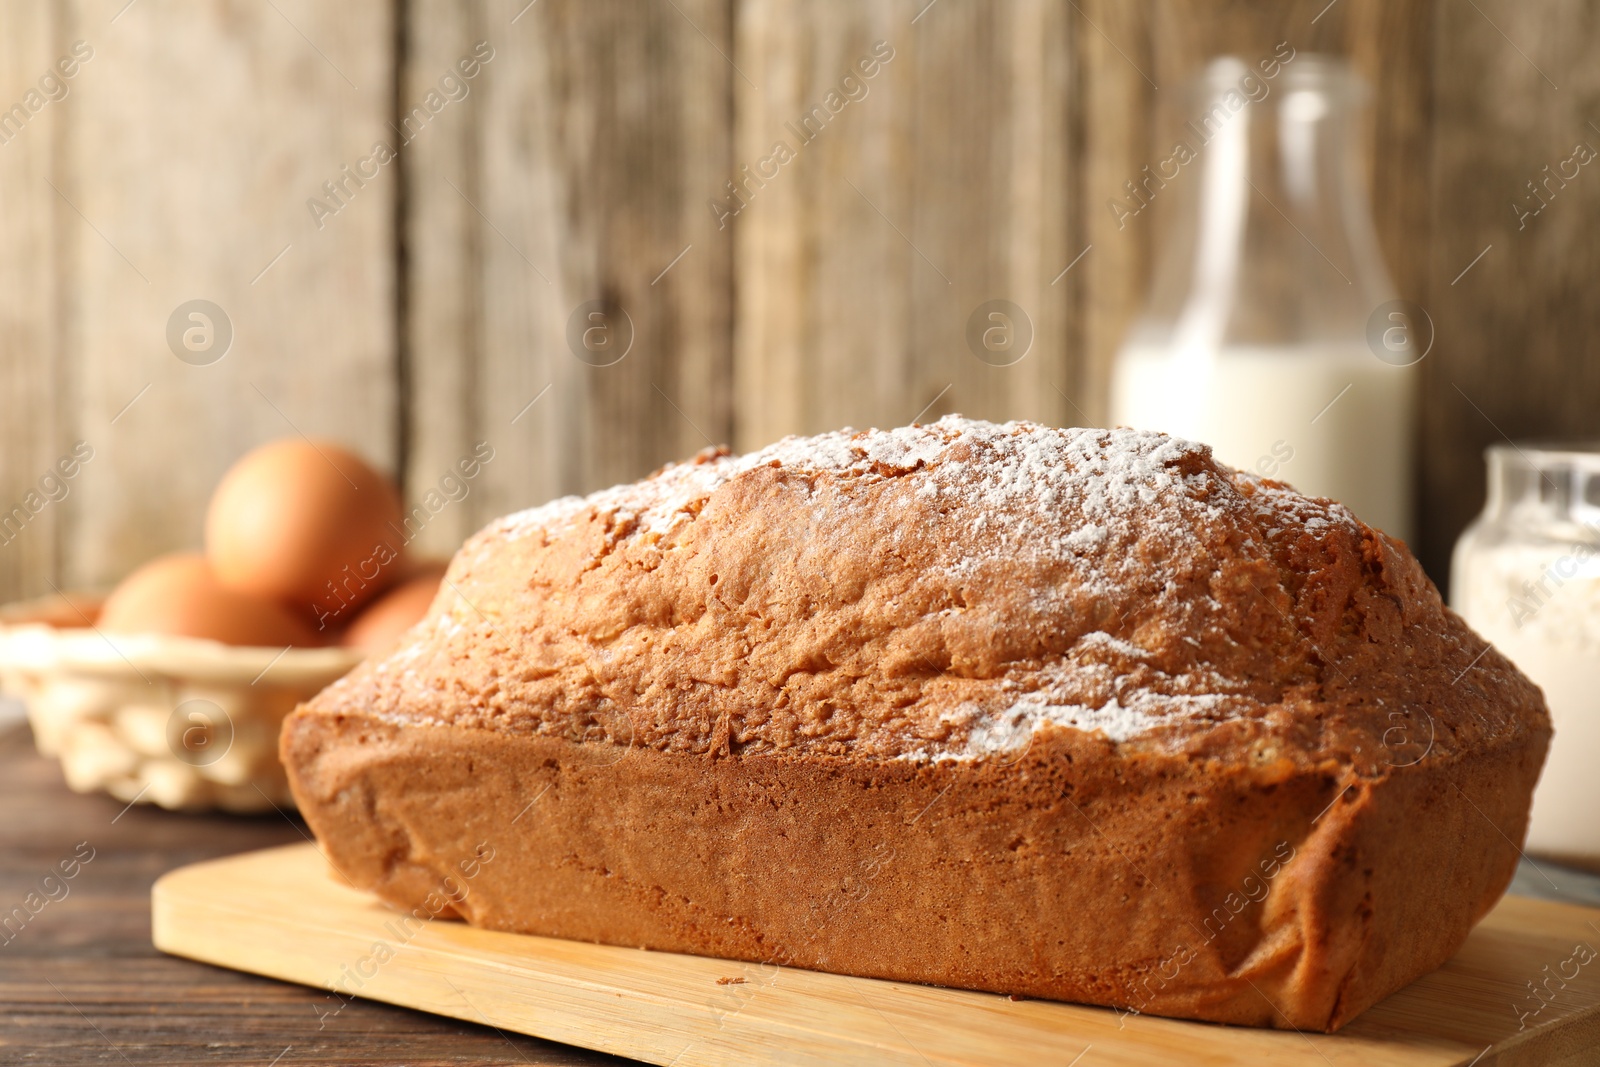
(280, 913)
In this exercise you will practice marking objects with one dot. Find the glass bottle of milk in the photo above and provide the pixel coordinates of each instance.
(1272, 331)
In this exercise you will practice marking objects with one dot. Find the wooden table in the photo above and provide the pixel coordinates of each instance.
(81, 983)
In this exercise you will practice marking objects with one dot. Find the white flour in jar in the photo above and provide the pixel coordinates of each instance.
(1540, 605)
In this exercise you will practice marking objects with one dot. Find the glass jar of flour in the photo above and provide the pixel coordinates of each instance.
(1272, 331)
(1526, 575)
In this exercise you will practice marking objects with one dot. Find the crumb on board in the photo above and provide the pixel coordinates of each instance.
(730, 981)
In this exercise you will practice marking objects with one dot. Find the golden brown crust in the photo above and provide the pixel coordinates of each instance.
(1116, 680)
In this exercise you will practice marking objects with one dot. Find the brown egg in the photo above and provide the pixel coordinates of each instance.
(180, 595)
(306, 523)
(376, 628)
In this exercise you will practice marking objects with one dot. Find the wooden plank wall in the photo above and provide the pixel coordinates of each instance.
(29, 325)
(945, 185)
(577, 172)
(558, 153)
(1518, 342)
(177, 167)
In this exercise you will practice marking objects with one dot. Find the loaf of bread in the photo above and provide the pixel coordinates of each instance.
(1072, 714)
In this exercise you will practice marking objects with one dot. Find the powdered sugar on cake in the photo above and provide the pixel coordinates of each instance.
(1079, 495)
(1013, 465)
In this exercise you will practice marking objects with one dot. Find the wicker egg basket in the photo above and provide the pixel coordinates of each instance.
(176, 721)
